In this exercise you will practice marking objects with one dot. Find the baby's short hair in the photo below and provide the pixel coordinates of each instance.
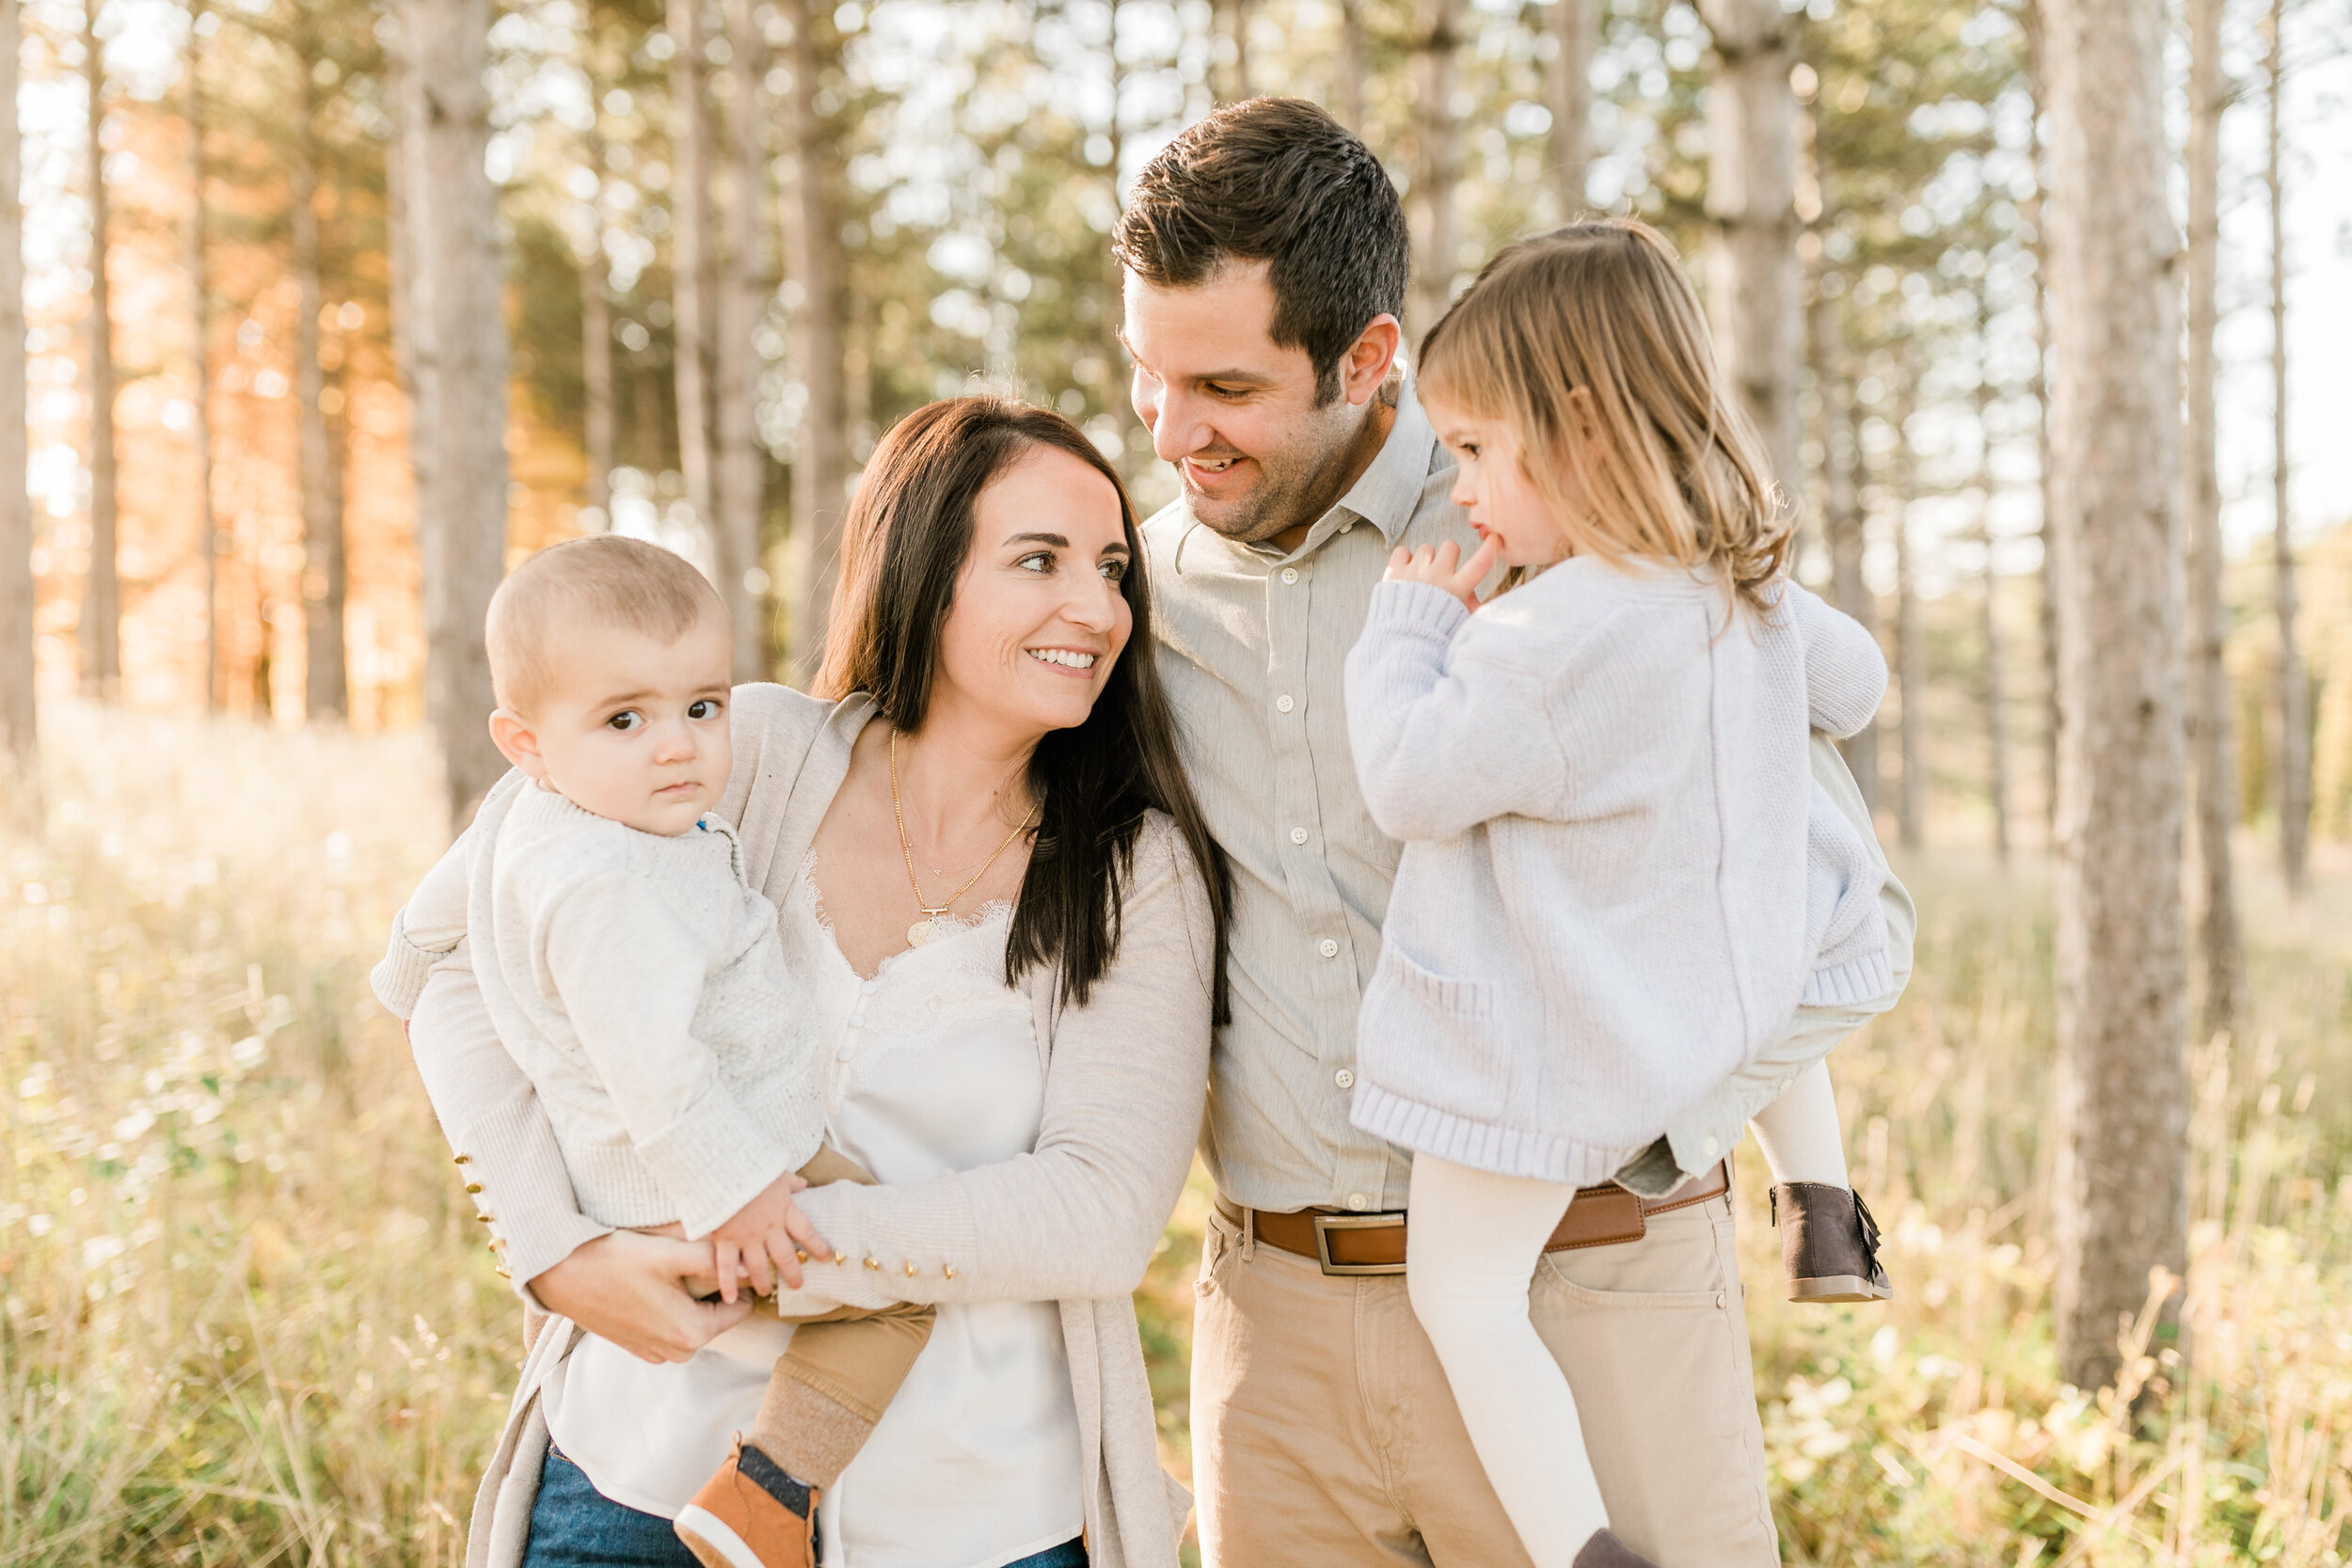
(604, 577)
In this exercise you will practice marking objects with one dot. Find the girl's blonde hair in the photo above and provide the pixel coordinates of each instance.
(1603, 307)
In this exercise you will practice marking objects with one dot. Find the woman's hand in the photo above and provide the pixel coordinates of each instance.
(1443, 567)
(630, 1287)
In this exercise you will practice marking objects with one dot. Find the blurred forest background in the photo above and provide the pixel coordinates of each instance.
(328, 311)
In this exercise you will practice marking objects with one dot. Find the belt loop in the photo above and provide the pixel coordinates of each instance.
(1249, 1234)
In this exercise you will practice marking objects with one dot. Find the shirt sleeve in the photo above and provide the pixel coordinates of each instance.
(1444, 738)
(630, 975)
(1845, 670)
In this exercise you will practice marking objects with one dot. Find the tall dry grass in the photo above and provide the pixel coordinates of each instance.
(249, 1318)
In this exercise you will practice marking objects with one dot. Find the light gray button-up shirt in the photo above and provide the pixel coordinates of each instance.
(1252, 645)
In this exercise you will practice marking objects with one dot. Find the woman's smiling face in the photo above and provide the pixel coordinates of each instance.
(1038, 620)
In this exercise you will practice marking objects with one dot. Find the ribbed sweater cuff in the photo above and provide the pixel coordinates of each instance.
(399, 979)
(1485, 1145)
(712, 1160)
(1415, 608)
(1851, 983)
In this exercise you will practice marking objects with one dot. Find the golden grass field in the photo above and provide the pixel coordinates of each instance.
(250, 1318)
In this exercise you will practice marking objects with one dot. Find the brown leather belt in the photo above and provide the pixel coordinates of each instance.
(1347, 1244)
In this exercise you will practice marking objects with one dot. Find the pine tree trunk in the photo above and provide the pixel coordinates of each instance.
(1751, 196)
(821, 463)
(2036, 212)
(101, 590)
(2122, 1099)
(736, 467)
(1228, 69)
(2211, 720)
(325, 688)
(1568, 90)
(1347, 95)
(1994, 688)
(1437, 166)
(596, 364)
(1910, 653)
(1841, 516)
(458, 332)
(2294, 698)
(692, 274)
(19, 738)
(208, 534)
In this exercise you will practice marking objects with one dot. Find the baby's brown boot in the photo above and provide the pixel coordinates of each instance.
(750, 1514)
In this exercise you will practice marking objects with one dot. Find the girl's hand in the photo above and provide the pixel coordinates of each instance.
(1443, 567)
(630, 1287)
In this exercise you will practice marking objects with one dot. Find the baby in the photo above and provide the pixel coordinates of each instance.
(635, 976)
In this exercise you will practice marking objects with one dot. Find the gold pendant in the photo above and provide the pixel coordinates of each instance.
(918, 933)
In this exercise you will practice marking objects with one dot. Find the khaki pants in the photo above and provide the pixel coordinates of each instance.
(1323, 1432)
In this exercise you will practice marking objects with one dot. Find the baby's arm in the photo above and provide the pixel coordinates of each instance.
(428, 926)
(1443, 739)
(630, 976)
(1845, 670)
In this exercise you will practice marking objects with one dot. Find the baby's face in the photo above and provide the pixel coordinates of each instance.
(630, 729)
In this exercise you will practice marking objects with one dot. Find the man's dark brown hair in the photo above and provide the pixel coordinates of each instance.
(1276, 180)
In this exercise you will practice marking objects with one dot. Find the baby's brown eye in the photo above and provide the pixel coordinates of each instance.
(702, 708)
(627, 720)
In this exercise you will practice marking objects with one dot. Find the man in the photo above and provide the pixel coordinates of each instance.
(1265, 260)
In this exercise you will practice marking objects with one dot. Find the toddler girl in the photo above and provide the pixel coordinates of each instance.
(1618, 882)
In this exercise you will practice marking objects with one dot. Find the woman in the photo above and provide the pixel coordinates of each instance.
(992, 878)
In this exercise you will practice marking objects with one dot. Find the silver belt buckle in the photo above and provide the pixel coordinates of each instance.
(1325, 1224)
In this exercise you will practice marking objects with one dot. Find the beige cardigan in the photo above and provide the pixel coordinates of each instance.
(1074, 1221)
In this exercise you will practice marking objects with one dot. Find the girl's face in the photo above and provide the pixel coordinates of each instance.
(1039, 619)
(1491, 482)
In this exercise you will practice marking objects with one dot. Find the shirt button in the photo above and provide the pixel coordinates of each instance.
(1290, 574)
(1345, 1078)
(869, 986)
(1710, 1146)
(1330, 949)
(1358, 1201)
(1283, 703)
(844, 1053)
(1298, 836)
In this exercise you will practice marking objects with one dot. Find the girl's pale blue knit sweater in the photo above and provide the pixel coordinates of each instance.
(1615, 887)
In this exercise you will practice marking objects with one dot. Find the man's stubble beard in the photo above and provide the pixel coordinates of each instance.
(1301, 481)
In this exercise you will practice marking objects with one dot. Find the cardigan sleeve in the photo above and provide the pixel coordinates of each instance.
(495, 1124)
(1845, 670)
(1078, 1217)
(1444, 738)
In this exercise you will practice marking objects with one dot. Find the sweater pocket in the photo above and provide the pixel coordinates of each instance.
(1437, 1039)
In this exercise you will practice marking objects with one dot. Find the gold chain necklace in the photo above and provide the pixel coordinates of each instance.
(925, 928)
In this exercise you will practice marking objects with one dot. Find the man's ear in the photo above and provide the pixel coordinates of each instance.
(1365, 365)
(512, 735)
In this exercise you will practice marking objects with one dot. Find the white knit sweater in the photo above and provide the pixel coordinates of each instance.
(1601, 910)
(637, 979)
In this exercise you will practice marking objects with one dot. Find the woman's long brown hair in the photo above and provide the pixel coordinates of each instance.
(903, 546)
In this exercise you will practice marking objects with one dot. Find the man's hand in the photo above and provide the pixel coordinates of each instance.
(630, 1287)
(764, 1241)
(1443, 566)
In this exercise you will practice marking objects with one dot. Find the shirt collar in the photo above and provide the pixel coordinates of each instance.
(1389, 491)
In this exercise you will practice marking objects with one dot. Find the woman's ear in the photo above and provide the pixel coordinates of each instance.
(516, 741)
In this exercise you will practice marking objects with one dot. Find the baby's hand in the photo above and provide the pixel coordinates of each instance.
(762, 1241)
(1443, 567)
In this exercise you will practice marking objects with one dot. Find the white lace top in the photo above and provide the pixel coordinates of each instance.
(928, 1067)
